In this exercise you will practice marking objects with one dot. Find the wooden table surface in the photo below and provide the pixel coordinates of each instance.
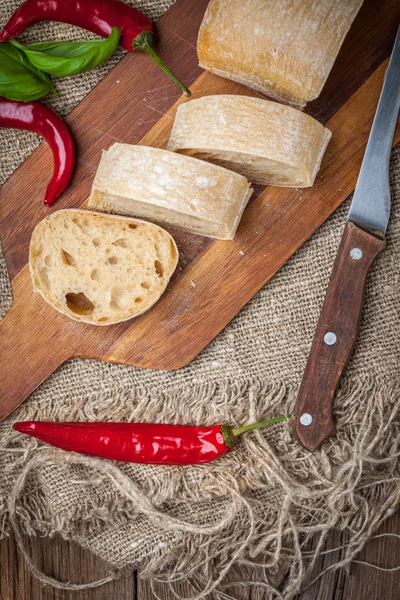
(69, 562)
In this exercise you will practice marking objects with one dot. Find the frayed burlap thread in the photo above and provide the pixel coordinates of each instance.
(266, 499)
(258, 506)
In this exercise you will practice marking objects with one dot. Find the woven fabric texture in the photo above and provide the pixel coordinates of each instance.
(266, 495)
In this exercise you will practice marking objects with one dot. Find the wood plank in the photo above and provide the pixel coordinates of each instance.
(129, 106)
(232, 586)
(363, 581)
(64, 561)
(145, 591)
(68, 561)
(333, 583)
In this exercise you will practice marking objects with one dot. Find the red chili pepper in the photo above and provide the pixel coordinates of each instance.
(142, 442)
(39, 118)
(137, 31)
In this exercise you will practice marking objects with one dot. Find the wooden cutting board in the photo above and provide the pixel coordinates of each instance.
(135, 103)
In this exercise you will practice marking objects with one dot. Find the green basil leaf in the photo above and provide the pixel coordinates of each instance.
(62, 59)
(19, 79)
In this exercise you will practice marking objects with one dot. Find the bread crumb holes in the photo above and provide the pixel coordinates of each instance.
(158, 267)
(76, 221)
(79, 303)
(123, 243)
(67, 258)
(36, 252)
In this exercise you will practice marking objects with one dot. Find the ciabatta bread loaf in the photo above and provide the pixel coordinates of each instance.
(176, 190)
(100, 269)
(282, 48)
(265, 141)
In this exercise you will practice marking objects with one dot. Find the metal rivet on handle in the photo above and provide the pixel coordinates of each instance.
(306, 419)
(330, 338)
(356, 253)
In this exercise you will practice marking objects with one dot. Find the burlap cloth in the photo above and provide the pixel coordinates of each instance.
(259, 504)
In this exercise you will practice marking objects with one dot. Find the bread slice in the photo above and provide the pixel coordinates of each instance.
(176, 190)
(267, 142)
(282, 48)
(98, 268)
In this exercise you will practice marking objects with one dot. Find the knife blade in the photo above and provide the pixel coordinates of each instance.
(362, 240)
(370, 207)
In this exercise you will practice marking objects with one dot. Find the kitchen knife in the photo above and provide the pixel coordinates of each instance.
(362, 240)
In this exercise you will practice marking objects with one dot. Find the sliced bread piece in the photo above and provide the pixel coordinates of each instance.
(282, 48)
(184, 192)
(100, 269)
(265, 141)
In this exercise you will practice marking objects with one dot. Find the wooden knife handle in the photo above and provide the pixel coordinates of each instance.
(335, 335)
